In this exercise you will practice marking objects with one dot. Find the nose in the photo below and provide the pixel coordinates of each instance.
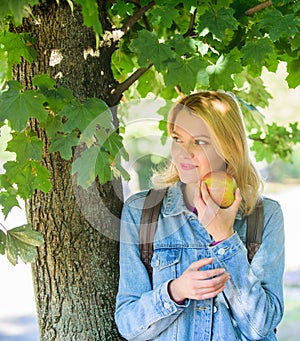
(189, 150)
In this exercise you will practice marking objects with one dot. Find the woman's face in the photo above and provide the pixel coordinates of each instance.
(193, 152)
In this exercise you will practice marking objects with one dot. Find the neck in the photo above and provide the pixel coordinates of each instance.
(188, 191)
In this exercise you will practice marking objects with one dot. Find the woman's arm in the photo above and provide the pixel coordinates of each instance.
(141, 313)
(255, 292)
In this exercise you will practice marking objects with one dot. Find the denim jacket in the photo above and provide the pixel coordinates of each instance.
(249, 308)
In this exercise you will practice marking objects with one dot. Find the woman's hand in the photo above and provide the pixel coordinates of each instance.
(197, 284)
(217, 221)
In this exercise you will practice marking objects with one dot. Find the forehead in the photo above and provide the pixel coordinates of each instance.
(187, 122)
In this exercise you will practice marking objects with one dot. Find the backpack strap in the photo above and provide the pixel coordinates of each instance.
(149, 218)
(255, 228)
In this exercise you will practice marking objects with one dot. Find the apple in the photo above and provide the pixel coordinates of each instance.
(221, 187)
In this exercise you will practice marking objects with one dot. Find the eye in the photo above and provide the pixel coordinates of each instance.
(176, 139)
(200, 142)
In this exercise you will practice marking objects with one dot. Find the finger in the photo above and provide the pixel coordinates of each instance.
(198, 201)
(207, 199)
(201, 263)
(204, 192)
(238, 197)
(214, 283)
(209, 274)
(210, 294)
(211, 288)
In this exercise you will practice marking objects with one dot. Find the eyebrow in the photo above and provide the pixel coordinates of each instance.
(195, 137)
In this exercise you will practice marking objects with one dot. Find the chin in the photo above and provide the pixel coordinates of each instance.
(189, 180)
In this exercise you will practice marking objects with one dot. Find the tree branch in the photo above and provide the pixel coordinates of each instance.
(137, 15)
(259, 7)
(129, 81)
(190, 30)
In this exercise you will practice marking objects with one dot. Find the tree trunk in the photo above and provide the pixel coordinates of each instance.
(76, 272)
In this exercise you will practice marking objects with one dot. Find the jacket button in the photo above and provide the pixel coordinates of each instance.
(167, 305)
(221, 251)
(215, 309)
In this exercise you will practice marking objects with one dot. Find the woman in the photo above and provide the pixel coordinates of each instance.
(203, 285)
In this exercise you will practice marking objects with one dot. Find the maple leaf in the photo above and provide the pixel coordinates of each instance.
(256, 50)
(18, 106)
(220, 74)
(217, 22)
(81, 115)
(186, 73)
(279, 24)
(149, 50)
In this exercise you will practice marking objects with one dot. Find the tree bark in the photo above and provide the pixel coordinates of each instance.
(76, 272)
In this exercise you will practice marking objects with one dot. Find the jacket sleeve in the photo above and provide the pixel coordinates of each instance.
(141, 313)
(255, 292)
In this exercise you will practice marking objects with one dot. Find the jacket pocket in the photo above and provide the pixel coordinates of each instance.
(165, 263)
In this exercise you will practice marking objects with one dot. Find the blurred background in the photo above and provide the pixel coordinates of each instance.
(17, 303)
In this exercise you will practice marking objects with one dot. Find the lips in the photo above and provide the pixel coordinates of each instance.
(187, 166)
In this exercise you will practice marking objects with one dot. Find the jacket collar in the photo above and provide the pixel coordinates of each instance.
(173, 202)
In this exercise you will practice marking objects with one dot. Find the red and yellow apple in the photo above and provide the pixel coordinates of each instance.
(221, 187)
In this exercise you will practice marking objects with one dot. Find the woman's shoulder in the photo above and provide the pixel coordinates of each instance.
(271, 206)
(270, 203)
(136, 199)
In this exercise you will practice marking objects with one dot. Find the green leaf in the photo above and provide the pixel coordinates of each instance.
(21, 242)
(183, 46)
(279, 25)
(255, 52)
(293, 69)
(12, 249)
(2, 242)
(295, 42)
(220, 74)
(44, 82)
(8, 200)
(84, 166)
(28, 236)
(114, 144)
(18, 106)
(150, 81)
(217, 22)
(162, 17)
(149, 50)
(122, 8)
(103, 169)
(90, 14)
(52, 124)
(26, 145)
(186, 73)
(17, 45)
(275, 142)
(81, 115)
(16, 9)
(123, 63)
(28, 176)
(118, 171)
(56, 98)
(64, 143)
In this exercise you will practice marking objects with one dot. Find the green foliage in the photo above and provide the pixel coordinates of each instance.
(275, 140)
(18, 106)
(20, 242)
(13, 46)
(163, 48)
(65, 119)
(16, 10)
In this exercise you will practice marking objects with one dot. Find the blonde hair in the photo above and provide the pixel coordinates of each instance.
(222, 115)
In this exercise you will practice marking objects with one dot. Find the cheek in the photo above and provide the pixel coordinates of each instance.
(175, 151)
(215, 160)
